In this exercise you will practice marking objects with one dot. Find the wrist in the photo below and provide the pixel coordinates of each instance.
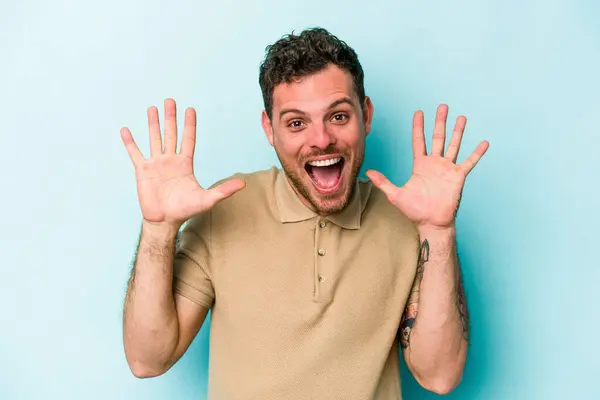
(436, 231)
(441, 241)
(160, 231)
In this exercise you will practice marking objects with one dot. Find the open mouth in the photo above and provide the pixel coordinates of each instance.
(326, 175)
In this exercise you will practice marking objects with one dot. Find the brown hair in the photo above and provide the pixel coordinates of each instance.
(294, 56)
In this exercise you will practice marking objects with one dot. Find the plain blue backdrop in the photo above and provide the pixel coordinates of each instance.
(526, 75)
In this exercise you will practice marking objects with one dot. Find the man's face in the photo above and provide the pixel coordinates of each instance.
(318, 131)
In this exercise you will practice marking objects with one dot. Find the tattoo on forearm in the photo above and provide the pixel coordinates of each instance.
(462, 308)
(410, 313)
(423, 258)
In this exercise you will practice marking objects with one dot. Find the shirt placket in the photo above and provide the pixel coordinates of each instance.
(322, 261)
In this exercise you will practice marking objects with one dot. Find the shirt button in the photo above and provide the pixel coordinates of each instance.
(321, 278)
(321, 252)
(323, 224)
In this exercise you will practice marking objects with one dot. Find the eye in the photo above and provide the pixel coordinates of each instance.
(295, 124)
(340, 117)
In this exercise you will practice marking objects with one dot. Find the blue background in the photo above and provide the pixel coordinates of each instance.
(526, 75)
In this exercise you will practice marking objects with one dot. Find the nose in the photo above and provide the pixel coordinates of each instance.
(321, 137)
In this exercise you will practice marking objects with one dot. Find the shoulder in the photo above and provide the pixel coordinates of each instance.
(259, 188)
(254, 201)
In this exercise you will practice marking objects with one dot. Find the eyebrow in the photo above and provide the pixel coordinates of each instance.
(344, 100)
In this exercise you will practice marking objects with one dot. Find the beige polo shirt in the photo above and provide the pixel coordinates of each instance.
(303, 307)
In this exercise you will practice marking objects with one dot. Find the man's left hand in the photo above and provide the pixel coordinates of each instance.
(431, 197)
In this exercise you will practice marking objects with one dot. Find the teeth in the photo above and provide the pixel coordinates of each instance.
(325, 163)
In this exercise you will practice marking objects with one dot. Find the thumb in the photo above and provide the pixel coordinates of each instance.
(223, 191)
(382, 183)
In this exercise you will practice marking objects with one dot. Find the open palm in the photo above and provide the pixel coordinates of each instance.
(167, 188)
(432, 194)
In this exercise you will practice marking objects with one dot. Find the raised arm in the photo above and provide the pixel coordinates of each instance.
(434, 326)
(159, 326)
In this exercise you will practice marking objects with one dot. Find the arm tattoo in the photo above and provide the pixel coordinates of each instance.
(462, 308)
(410, 313)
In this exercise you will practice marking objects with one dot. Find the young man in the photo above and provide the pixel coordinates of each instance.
(314, 277)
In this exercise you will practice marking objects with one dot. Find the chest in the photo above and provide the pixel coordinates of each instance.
(309, 270)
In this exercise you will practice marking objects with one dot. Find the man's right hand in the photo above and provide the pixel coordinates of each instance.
(168, 191)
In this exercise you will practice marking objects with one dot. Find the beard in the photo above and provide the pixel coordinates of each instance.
(324, 204)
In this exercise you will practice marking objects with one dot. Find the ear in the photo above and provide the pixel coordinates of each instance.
(368, 114)
(267, 127)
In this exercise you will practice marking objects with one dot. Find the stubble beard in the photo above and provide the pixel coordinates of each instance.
(317, 204)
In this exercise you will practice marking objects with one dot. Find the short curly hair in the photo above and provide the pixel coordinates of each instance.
(294, 56)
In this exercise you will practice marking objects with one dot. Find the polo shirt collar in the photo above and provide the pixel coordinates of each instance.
(292, 209)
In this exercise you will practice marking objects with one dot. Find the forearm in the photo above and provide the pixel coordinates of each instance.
(438, 338)
(150, 325)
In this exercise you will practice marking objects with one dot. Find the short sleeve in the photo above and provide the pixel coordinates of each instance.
(191, 274)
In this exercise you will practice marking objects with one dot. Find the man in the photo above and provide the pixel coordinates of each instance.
(313, 276)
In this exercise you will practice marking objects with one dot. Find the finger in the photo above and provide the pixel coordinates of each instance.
(474, 158)
(455, 140)
(439, 131)
(418, 135)
(223, 191)
(188, 142)
(170, 126)
(134, 152)
(154, 130)
(383, 183)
